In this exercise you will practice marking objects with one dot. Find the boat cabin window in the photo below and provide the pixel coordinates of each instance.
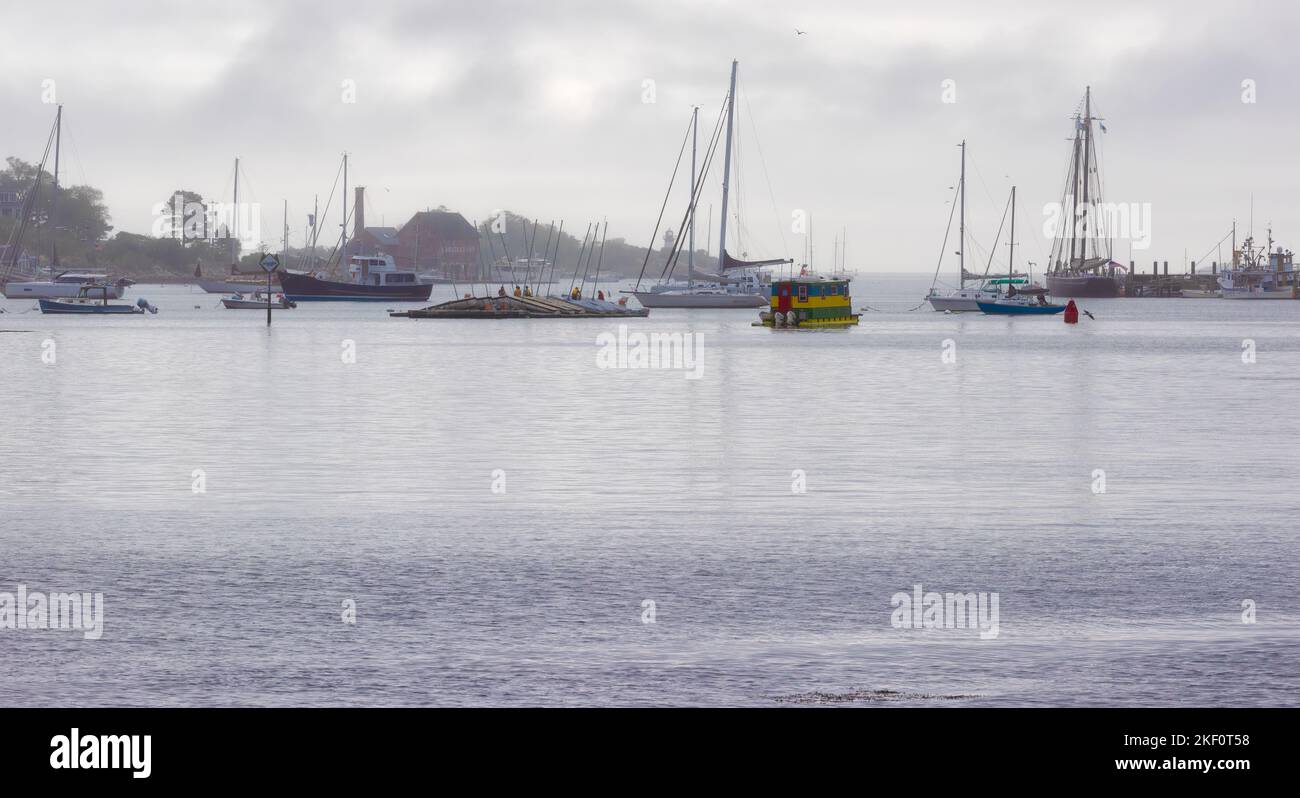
(803, 293)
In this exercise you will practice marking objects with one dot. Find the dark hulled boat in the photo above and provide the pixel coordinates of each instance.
(1106, 283)
(374, 279)
(1081, 264)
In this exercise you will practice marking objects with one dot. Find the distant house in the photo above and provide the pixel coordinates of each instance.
(441, 242)
(11, 203)
(25, 266)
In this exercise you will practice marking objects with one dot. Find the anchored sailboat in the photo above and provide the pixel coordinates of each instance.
(961, 298)
(60, 285)
(749, 288)
(1027, 300)
(238, 282)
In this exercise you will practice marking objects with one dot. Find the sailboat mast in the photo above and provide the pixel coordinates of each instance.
(235, 237)
(343, 247)
(284, 249)
(1087, 166)
(54, 198)
(726, 171)
(706, 238)
(1011, 258)
(1074, 194)
(690, 254)
(961, 240)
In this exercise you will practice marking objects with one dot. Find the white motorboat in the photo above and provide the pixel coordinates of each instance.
(257, 302)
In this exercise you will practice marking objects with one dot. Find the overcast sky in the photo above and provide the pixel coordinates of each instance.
(541, 108)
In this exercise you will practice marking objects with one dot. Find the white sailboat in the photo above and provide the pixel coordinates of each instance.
(750, 288)
(237, 282)
(960, 299)
(60, 285)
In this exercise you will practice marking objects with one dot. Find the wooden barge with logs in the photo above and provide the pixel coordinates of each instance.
(516, 307)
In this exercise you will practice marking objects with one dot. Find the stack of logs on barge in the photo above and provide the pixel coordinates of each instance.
(515, 307)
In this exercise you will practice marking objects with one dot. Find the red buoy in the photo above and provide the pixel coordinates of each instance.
(1071, 313)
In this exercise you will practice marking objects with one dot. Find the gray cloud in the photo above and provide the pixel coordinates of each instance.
(537, 107)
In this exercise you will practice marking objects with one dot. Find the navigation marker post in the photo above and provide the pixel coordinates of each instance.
(269, 264)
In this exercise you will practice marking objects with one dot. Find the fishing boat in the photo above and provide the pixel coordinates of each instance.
(1081, 264)
(1259, 273)
(1019, 300)
(809, 302)
(61, 284)
(93, 300)
(373, 278)
(960, 299)
(258, 302)
(748, 290)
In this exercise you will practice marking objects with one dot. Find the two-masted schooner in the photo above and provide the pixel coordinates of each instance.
(1081, 264)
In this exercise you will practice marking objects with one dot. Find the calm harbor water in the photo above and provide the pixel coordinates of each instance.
(373, 481)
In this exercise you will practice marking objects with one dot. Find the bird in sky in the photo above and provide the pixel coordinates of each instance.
(798, 32)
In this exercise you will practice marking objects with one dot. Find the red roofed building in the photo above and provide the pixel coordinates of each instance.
(441, 242)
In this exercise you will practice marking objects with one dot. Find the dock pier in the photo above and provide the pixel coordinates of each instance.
(1160, 283)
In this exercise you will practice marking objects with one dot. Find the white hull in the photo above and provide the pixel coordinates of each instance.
(1284, 293)
(42, 289)
(962, 301)
(651, 299)
(954, 304)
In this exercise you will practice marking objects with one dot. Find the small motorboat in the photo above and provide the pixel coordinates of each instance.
(93, 300)
(258, 302)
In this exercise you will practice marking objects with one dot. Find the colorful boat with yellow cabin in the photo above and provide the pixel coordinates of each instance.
(809, 302)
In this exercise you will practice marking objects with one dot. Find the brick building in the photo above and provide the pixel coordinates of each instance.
(441, 242)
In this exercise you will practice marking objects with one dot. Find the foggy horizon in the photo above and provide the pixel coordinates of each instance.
(505, 107)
